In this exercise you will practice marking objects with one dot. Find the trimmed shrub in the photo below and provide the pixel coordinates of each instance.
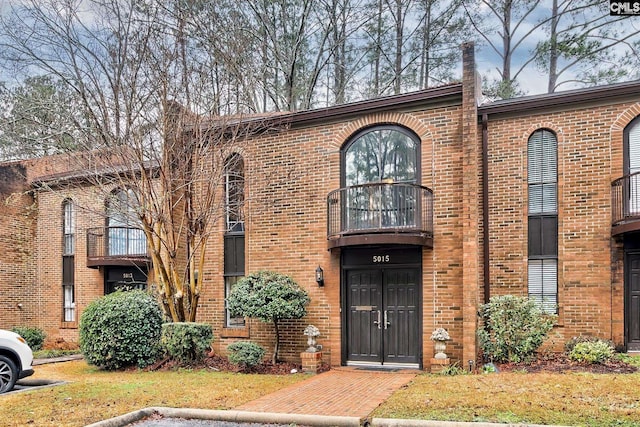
(569, 345)
(245, 353)
(186, 342)
(33, 336)
(514, 328)
(599, 351)
(121, 329)
(270, 297)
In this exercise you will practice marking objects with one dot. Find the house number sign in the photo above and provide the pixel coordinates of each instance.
(382, 257)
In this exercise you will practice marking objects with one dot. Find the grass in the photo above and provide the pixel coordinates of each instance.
(576, 399)
(92, 395)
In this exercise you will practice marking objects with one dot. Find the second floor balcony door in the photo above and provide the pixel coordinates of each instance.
(125, 235)
(374, 163)
(632, 166)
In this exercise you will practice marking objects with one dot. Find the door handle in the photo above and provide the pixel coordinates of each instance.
(386, 320)
(378, 322)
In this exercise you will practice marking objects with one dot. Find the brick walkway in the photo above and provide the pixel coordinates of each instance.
(341, 392)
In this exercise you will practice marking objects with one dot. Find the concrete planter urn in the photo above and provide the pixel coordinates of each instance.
(440, 337)
(311, 332)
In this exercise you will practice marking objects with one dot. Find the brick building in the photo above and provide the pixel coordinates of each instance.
(415, 208)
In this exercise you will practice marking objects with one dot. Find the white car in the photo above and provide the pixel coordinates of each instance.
(16, 358)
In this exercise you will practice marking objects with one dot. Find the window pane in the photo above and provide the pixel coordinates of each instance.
(536, 205)
(380, 155)
(69, 303)
(543, 283)
(231, 321)
(542, 157)
(633, 134)
(535, 236)
(68, 228)
(234, 193)
(549, 235)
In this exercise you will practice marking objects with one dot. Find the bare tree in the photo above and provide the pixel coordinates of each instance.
(587, 44)
(133, 66)
(39, 117)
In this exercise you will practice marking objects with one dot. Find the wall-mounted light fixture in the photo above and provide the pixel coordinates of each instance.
(320, 276)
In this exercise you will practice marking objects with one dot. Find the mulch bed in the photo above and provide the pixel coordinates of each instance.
(561, 363)
(557, 363)
(216, 362)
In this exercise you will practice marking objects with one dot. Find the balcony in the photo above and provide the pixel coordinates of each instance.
(380, 213)
(625, 204)
(109, 246)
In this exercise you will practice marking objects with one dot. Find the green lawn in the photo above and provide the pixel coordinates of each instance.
(92, 395)
(542, 398)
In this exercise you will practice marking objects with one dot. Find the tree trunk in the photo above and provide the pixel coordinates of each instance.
(553, 49)
(277, 347)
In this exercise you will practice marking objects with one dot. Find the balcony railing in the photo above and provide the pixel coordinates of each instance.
(116, 246)
(380, 213)
(625, 203)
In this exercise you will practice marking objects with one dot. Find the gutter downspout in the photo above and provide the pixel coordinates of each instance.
(485, 208)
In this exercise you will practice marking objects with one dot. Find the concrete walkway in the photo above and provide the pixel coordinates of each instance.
(338, 392)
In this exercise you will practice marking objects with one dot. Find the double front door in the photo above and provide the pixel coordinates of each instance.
(383, 315)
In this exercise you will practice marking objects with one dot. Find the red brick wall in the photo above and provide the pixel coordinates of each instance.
(590, 264)
(289, 175)
(17, 232)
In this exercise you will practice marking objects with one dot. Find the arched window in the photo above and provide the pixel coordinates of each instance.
(234, 193)
(632, 165)
(542, 177)
(381, 154)
(68, 261)
(380, 168)
(125, 235)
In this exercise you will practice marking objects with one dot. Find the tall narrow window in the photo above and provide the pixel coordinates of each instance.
(68, 253)
(234, 236)
(542, 167)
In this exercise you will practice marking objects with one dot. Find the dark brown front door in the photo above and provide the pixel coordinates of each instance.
(632, 315)
(383, 321)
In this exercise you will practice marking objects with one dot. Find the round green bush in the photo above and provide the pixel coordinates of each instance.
(599, 351)
(33, 336)
(245, 353)
(186, 342)
(121, 329)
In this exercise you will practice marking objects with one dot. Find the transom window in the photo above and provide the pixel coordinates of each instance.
(381, 154)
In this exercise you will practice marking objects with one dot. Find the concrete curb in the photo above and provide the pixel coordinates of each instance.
(68, 358)
(231, 415)
(389, 422)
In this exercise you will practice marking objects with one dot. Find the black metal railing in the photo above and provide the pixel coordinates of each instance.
(116, 242)
(380, 208)
(625, 199)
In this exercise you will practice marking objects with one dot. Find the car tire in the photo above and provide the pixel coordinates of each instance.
(8, 374)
